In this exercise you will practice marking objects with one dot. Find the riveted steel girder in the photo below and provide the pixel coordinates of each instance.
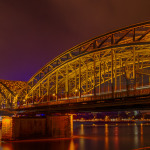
(113, 64)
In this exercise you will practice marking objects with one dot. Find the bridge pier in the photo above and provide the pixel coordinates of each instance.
(60, 126)
(17, 128)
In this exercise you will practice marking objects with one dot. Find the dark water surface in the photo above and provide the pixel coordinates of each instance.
(92, 137)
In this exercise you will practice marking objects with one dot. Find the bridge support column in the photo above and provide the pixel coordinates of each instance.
(60, 126)
(17, 128)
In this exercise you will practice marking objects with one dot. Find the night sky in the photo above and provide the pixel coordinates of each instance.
(33, 32)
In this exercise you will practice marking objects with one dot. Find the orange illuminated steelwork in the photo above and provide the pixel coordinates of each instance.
(8, 91)
(113, 65)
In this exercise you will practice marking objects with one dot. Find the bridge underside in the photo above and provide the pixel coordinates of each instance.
(98, 105)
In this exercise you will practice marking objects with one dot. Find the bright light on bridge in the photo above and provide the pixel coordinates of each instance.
(111, 66)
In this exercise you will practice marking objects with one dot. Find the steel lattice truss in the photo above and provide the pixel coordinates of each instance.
(8, 90)
(105, 66)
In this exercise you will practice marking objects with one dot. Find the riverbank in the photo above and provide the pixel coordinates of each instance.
(97, 121)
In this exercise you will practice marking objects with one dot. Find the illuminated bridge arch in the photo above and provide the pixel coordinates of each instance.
(112, 65)
(8, 90)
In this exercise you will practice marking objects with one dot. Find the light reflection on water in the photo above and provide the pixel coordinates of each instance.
(91, 137)
(82, 130)
(72, 145)
(141, 134)
(106, 137)
(136, 137)
(116, 138)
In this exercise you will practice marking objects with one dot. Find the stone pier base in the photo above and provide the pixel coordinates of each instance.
(60, 126)
(16, 128)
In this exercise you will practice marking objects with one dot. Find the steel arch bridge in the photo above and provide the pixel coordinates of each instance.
(110, 66)
(8, 91)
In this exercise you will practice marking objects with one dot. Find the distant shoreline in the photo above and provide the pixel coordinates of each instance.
(117, 121)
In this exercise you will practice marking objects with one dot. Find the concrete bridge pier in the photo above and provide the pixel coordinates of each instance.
(17, 128)
(59, 126)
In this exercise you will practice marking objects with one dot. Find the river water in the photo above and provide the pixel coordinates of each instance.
(126, 136)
